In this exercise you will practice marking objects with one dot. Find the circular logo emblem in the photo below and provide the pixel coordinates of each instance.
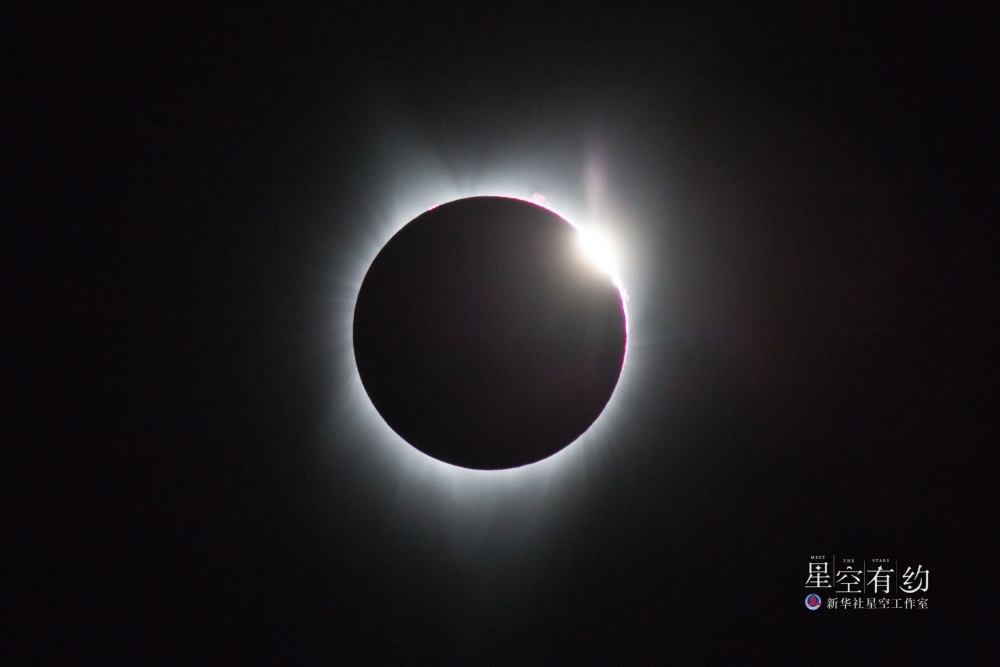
(813, 602)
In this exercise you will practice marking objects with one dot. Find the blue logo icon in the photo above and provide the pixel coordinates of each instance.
(813, 602)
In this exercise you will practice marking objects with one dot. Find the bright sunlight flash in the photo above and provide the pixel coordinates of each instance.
(598, 250)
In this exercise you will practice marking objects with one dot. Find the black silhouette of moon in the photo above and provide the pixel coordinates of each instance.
(484, 338)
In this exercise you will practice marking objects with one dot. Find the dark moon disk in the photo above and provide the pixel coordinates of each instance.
(483, 336)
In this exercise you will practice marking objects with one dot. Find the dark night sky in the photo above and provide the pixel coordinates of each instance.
(808, 195)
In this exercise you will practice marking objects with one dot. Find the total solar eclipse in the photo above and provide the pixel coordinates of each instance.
(486, 336)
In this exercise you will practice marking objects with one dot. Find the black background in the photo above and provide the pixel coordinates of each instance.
(810, 191)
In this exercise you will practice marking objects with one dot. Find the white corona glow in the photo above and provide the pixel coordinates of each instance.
(420, 486)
